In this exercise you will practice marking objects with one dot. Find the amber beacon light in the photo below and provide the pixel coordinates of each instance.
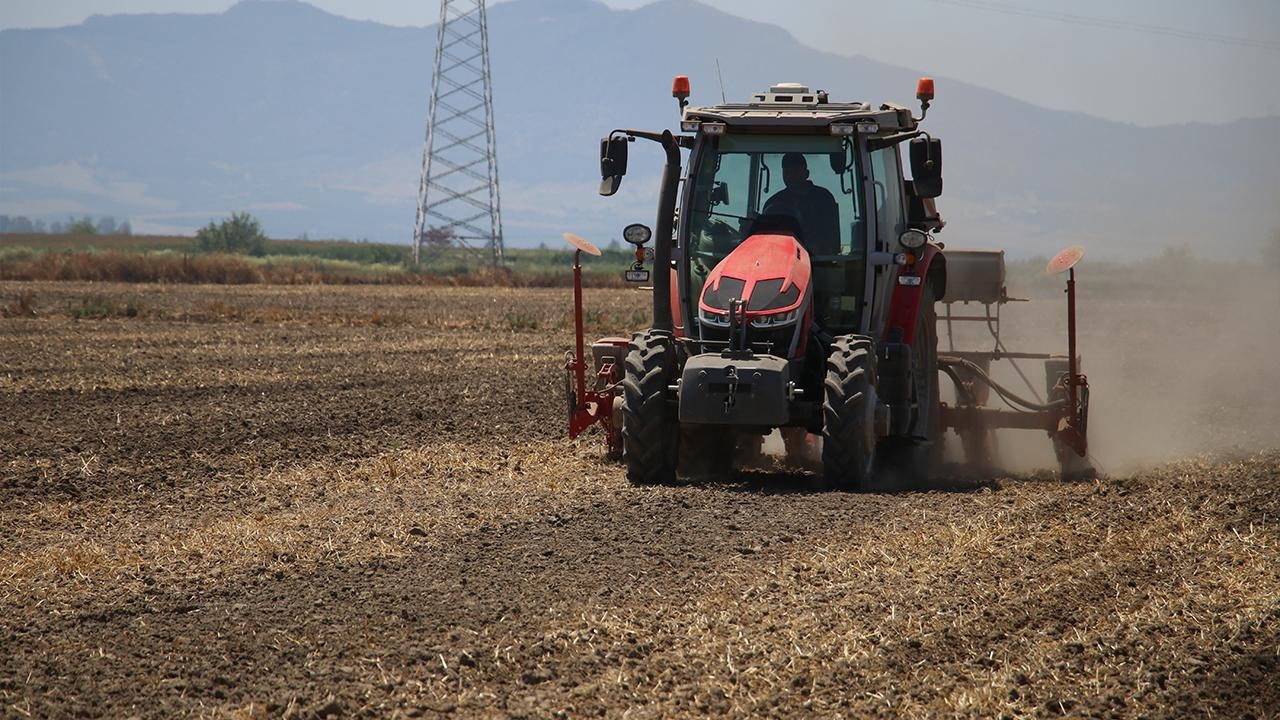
(924, 89)
(680, 87)
(924, 93)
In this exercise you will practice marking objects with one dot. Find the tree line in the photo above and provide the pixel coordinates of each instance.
(87, 225)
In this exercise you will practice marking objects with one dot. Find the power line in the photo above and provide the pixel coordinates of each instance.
(1111, 24)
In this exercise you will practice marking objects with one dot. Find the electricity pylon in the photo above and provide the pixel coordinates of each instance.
(458, 192)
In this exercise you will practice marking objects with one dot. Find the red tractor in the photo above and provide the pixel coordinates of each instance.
(797, 287)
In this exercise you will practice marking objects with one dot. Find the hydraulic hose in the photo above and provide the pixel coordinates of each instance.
(1007, 395)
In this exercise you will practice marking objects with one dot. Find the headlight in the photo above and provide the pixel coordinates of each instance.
(713, 318)
(719, 319)
(913, 239)
(785, 318)
(637, 233)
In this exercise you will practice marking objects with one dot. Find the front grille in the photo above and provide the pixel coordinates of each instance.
(770, 341)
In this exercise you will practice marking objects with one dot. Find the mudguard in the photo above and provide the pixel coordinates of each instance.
(908, 288)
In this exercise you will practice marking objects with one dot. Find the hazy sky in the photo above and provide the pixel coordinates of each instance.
(1142, 61)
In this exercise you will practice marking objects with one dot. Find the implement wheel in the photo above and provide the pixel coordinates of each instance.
(1071, 466)
(848, 410)
(650, 426)
(977, 440)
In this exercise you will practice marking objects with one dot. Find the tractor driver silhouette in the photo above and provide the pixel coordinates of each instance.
(813, 207)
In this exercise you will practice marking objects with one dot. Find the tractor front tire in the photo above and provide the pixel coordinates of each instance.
(848, 410)
(650, 426)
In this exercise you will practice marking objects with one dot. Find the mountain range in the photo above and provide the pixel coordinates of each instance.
(315, 123)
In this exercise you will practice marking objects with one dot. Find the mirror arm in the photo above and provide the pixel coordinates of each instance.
(664, 228)
(684, 141)
(881, 143)
(643, 134)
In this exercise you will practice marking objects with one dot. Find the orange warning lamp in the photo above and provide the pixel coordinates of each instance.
(680, 88)
(924, 93)
(924, 89)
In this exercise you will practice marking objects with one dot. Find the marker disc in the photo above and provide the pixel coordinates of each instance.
(582, 244)
(1065, 260)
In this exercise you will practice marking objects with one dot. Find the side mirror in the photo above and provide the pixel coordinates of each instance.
(719, 194)
(613, 163)
(842, 162)
(926, 166)
(837, 163)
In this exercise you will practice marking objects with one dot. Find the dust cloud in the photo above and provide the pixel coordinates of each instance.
(1181, 356)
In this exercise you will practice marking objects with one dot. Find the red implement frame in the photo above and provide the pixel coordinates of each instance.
(590, 406)
(1064, 417)
(1071, 429)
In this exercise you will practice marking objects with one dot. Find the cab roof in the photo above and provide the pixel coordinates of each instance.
(792, 105)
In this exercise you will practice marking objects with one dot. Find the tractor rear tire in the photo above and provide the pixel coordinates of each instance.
(748, 451)
(650, 426)
(849, 410)
(797, 449)
(907, 463)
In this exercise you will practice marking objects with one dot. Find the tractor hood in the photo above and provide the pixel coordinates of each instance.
(769, 272)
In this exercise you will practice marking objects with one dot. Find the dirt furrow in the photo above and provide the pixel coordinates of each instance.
(357, 502)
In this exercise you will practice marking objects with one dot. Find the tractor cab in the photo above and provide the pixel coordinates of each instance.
(792, 163)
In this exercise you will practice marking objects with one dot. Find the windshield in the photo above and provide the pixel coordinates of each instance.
(804, 185)
(801, 185)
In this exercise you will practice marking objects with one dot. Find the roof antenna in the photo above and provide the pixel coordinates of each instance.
(721, 78)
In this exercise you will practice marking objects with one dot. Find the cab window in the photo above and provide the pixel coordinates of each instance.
(887, 176)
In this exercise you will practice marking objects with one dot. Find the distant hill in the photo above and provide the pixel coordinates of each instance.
(315, 123)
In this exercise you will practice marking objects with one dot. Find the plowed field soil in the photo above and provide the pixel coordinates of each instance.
(359, 502)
